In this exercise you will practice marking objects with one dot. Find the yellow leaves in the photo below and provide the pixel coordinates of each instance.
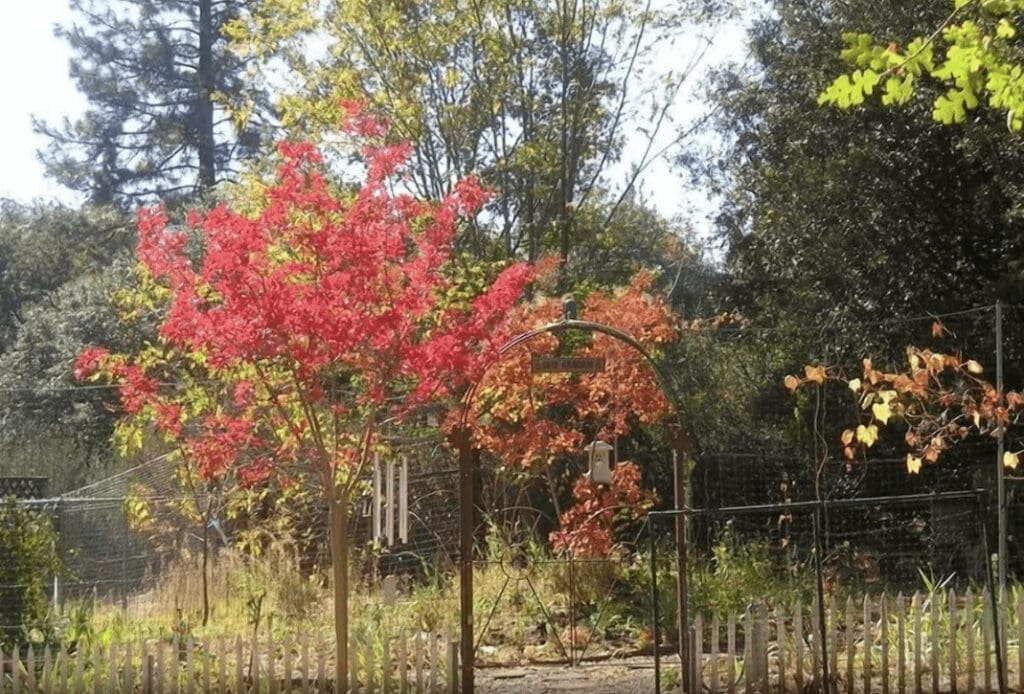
(1011, 460)
(868, 435)
(854, 385)
(1005, 29)
(881, 412)
(974, 367)
(913, 464)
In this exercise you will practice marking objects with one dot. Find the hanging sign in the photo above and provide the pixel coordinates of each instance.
(544, 364)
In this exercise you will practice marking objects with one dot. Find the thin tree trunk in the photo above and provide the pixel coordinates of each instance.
(205, 145)
(206, 569)
(339, 565)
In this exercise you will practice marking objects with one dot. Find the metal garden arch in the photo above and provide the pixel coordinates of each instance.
(469, 457)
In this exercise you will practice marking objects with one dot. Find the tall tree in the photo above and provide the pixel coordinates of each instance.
(58, 270)
(862, 216)
(170, 106)
(316, 320)
(537, 97)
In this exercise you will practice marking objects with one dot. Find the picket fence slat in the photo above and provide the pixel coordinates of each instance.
(851, 646)
(730, 637)
(798, 645)
(953, 615)
(919, 653)
(433, 665)
(748, 651)
(901, 637)
(16, 670)
(883, 641)
(453, 665)
(30, 669)
(933, 626)
(986, 639)
(698, 648)
(420, 658)
(713, 637)
(817, 642)
(832, 627)
(780, 637)
(969, 612)
(1020, 640)
(866, 660)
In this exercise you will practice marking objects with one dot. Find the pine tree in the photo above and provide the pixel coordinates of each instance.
(170, 111)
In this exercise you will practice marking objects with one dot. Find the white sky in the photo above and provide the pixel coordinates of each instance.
(34, 81)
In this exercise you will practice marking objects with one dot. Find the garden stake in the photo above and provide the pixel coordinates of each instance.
(996, 617)
(654, 607)
(823, 628)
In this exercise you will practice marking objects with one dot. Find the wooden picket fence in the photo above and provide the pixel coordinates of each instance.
(934, 642)
(420, 663)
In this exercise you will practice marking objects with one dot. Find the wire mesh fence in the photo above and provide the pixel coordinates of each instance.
(757, 447)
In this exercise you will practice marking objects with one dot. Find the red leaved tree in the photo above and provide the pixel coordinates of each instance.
(306, 325)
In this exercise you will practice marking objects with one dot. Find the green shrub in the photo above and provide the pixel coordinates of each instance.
(28, 562)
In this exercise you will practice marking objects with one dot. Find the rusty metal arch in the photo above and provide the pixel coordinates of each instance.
(469, 457)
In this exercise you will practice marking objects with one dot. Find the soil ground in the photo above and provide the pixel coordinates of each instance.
(619, 676)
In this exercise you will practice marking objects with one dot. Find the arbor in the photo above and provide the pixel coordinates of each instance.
(855, 217)
(305, 326)
(535, 97)
(534, 425)
(170, 106)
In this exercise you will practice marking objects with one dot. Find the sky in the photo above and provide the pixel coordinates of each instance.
(34, 81)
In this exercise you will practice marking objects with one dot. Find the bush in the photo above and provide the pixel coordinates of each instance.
(28, 562)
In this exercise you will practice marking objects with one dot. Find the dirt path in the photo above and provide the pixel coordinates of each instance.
(620, 676)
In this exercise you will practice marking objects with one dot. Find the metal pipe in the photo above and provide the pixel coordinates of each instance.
(839, 503)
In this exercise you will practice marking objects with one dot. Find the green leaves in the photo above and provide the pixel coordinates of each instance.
(979, 65)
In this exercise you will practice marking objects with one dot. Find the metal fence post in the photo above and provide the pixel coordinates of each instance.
(1000, 450)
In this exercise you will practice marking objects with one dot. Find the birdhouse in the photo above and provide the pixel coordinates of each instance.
(599, 455)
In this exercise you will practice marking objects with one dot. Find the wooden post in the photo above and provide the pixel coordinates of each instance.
(681, 448)
(883, 637)
(798, 646)
(682, 597)
(467, 460)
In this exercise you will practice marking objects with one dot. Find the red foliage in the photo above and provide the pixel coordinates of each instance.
(529, 419)
(317, 287)
(587, 526)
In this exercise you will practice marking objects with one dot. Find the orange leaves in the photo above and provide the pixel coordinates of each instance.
(815, 374)
(812, 374)
(587, 527)
(940, 398)
(529, 419)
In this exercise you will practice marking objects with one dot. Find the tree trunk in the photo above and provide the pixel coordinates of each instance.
(205, 145)
(339, 565)
(206, 569)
